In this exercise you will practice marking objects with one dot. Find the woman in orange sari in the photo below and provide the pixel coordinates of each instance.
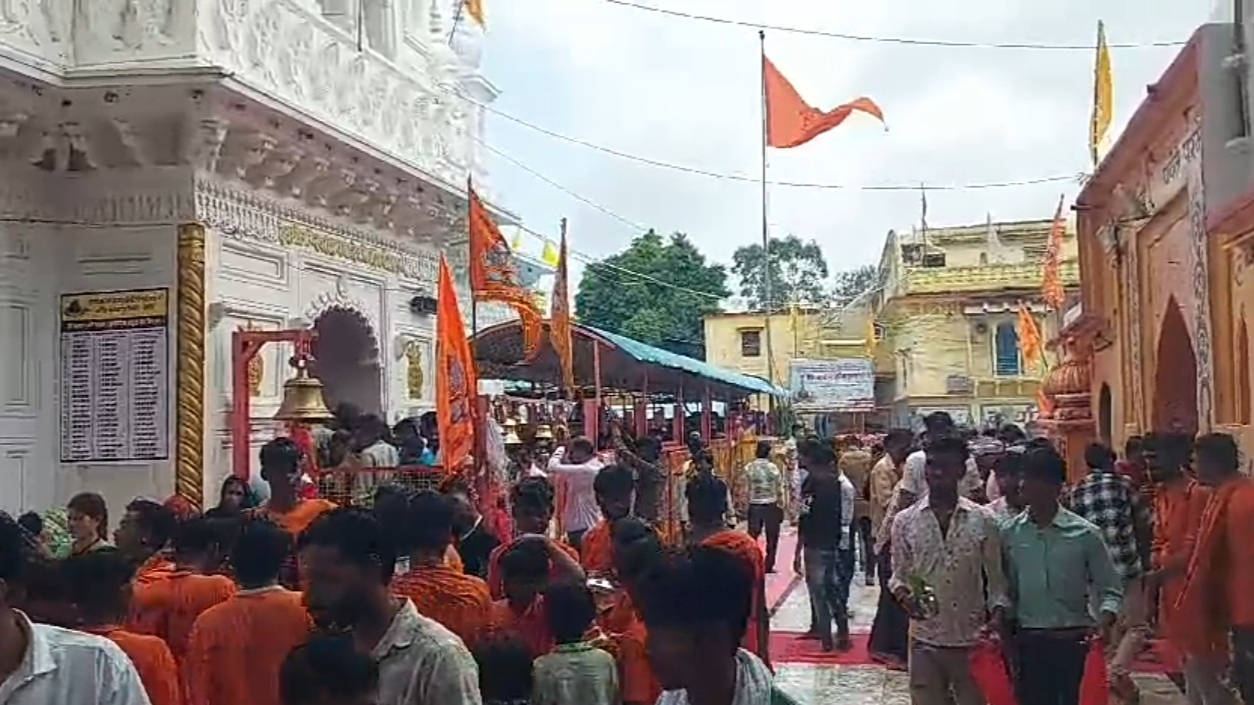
(707, 511)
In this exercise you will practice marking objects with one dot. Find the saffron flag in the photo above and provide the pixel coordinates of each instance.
(456, 383)
(1051, 282)
(1030, 338)
(550, 254)
(1103, 98)
(791, 121)
(474, 8)
(494, 276)
(559, 320)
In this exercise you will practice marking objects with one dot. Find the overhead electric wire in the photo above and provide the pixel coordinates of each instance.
(953, 43)
(914, 186)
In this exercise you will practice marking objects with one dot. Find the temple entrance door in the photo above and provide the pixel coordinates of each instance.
(346, 360)
(1175, 375)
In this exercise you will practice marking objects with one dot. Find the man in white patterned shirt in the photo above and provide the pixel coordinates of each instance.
(766, 495)
(950, 546)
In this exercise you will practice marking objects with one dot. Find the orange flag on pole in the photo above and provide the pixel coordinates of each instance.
(493, 276)
(1051, 281)
(791, 121)
(1030, 338)
(559, 320)
(456, 382)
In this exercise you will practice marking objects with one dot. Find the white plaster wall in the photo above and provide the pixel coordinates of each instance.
(28, 289)
(40, 263)
(90, 259)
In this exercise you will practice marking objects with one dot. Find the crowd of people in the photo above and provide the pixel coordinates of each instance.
(291, 600)
(413, 599)
(982, 542)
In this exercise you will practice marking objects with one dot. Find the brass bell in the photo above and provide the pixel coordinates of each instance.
(511, 438)
(302, 398)
(510, 423)
(544, 432)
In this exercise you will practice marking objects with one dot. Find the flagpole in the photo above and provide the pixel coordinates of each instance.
(766, 237)
(474, 301)
(457, 18)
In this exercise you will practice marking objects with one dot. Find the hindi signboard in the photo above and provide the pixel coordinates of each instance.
(842, 385)
(115, 376)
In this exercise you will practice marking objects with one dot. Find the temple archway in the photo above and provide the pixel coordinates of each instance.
(1175, 375)
(347, 361)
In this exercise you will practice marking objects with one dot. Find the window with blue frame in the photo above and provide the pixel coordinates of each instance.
(1007, 362)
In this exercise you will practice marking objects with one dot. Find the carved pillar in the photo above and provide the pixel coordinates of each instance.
(189, 458)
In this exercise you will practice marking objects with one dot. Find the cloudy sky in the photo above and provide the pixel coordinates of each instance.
(687, 92)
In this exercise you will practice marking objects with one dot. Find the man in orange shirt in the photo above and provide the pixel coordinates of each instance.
(99, 585)
(282, 463)
(637, 551)
(707, 507)
(1216, 602)
(236, 648)
(458, 601)
(531, 504)
(168, 607)
(1178, 505)
(529, 565)
(614, 487)
(143, 536)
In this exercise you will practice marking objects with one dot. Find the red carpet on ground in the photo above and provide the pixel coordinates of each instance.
(789, 647)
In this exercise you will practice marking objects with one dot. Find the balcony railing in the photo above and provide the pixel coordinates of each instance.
(992, 277)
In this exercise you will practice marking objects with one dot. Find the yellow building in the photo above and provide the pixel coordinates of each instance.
(739, 341)
(947, 317)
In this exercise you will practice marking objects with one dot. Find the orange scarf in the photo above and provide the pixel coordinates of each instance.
(1202, 603)
(598, 549)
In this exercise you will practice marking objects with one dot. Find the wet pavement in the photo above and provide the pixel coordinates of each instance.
(872, 684)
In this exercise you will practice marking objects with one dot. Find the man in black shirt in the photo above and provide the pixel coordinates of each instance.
(820, 532)
(473, 541)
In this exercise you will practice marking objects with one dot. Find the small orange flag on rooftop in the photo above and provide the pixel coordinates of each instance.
(792, 122)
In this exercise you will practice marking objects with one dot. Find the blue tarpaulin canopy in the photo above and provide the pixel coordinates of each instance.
(626, 364)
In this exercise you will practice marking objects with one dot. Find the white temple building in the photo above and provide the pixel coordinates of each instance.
(176, 170)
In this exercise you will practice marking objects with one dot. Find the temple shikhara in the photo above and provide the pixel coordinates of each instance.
(176, 174)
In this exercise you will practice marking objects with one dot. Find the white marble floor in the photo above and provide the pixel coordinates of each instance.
(813, 684)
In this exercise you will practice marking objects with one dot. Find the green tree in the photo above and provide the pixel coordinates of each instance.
(798, 272)
(849, 284)
(653, 291)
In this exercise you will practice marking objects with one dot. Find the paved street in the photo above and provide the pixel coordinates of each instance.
(869, 683)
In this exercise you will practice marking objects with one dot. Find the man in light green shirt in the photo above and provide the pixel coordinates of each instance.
(1054, 560)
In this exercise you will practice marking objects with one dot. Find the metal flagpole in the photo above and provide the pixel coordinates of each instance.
(457, 18)
(766, 237)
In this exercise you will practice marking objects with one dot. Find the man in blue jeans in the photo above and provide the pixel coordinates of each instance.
(824, 540)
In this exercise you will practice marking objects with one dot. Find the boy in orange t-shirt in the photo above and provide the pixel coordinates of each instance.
(99, 586)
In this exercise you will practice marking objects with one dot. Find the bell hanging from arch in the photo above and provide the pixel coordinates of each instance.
(302, 398)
